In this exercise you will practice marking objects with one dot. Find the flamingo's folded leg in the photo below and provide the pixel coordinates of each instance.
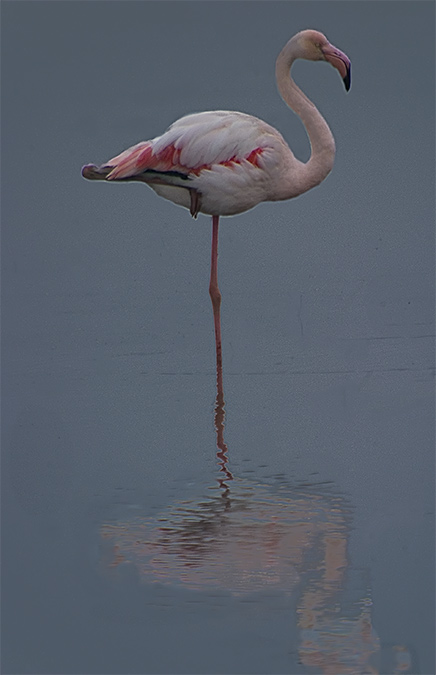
(195, 202)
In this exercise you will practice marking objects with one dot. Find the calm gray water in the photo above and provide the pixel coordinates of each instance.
(141, 532)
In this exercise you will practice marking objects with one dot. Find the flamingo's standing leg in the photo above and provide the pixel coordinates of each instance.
(215, 296)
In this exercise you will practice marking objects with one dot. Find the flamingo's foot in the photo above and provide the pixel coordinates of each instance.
(195, 202)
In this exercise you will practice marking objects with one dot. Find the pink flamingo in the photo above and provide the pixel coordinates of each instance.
(222, 162)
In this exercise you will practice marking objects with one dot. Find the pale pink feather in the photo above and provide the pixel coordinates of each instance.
(196, 142)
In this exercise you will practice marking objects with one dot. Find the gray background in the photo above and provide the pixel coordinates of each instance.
(108, 352)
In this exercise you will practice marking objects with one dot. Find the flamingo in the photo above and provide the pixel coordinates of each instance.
(222, 162)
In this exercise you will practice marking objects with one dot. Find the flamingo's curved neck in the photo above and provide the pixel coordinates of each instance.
(321, 138)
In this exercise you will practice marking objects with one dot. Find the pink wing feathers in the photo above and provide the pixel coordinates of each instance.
(217, 162)
(194, 143)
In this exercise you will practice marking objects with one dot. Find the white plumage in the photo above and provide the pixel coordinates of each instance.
(222, 162)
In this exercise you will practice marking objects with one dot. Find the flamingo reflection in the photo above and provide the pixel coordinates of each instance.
(246, 538)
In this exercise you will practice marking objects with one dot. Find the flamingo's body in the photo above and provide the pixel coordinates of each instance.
(222, 163)
(228, 160)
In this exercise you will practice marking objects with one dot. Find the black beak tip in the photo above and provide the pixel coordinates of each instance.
(347, 79)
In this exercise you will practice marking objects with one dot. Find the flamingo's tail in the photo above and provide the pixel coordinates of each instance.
(127, 165)
(93, 172)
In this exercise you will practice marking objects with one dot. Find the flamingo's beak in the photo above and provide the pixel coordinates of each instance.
(340, 61)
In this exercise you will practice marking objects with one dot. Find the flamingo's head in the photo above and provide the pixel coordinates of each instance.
(314, 46)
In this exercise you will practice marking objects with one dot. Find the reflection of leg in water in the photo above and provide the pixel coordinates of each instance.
(219, 428)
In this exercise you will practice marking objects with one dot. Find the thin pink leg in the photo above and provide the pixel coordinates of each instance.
(215, 296)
